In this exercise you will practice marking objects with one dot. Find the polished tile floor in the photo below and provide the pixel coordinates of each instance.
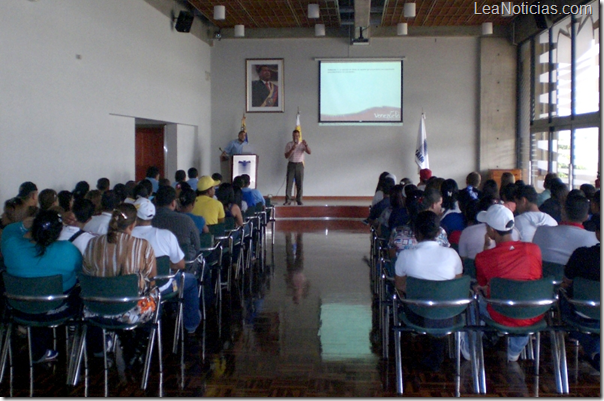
(304, 326)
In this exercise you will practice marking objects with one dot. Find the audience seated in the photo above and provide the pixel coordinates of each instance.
(528, 216)
(95, 197)
(205, 205)
(379, 192)
(99, 224)
(509, 259)
(118, 253)
(452, 219)
(179, 177)
(164, 243)
(471, 191)
(384, 204)
(472, 239)
(594, 206)
(148, 185)
(506, 178)
(73, 229)
(103, 184)
(506, 194)
(47, 198)
(434, 182)
(558, 243)
(251, 196)
(553, 205)
(80, 190)
(27, 204)
(398, 215)
(187, 200)
(237, 185)
(226, 196)
(428, 261)
(31, 249)
(489, 188)
(403, 237)
(65, 200)
(584, 262)
(181, 225)
(153, 177)
(424, 175)
(164, 182)
(547, 184)
(192, 173)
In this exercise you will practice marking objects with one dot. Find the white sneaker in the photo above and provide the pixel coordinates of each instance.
(463, 346)
(513, 358)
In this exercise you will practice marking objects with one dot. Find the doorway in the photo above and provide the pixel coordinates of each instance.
(149, 150)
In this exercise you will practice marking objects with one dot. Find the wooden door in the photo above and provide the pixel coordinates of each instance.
(149, 149)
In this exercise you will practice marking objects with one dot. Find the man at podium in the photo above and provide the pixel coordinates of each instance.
(236, 147)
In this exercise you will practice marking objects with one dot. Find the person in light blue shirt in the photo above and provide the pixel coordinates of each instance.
(153, 176)
(251, 196)
(235, 147)
(193, 173)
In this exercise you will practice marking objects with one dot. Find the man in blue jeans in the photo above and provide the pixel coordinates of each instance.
(164, 243)
(509, 259)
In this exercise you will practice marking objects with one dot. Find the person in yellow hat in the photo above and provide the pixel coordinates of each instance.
(205, 204)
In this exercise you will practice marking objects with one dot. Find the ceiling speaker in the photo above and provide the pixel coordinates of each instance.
(184, 21)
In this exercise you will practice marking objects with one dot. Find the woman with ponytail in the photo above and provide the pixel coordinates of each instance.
(31, 249)
(118, 253)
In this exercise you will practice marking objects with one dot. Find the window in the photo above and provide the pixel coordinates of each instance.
(559, 83)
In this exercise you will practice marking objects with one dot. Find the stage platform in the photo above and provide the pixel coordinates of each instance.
(332, 208)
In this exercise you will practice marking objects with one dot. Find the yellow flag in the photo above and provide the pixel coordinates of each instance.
(243, 127)
(298, 127)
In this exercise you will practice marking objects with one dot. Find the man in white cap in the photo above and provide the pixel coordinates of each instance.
(509, 259)
(165, 243)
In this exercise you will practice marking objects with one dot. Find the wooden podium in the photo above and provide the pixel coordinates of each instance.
(240, 164)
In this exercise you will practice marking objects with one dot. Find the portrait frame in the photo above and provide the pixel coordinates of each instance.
(261, 98)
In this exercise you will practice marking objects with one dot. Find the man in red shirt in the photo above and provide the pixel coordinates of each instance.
(509, 259)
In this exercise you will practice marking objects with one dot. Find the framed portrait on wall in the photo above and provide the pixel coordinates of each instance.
(264, 85)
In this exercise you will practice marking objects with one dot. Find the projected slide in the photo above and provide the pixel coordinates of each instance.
(360, 91)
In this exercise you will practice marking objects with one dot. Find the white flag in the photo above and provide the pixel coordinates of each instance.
(421, 153)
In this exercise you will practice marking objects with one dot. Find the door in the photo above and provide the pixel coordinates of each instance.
(149, 149)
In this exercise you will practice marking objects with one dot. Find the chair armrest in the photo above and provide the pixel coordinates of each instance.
(435, 304)
(36, 298)
(509, 302)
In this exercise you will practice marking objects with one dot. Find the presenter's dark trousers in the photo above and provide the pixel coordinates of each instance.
(295, 171)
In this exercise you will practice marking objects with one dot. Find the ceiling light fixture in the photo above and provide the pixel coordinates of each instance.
(319, 29)
(239, 31)
(401, 28)
(409, 10)
(313, 11)
(219, 13)
(487, 28)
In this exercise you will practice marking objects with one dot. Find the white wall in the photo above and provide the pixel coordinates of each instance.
(441, 76)
(64, 119)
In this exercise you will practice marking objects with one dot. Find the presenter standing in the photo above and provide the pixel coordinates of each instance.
(235, 147)
(294, 152)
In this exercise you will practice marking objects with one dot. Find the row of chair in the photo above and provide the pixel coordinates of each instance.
(224, 250)
(453, 299)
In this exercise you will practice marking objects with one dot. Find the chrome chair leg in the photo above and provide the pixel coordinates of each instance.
(537, 352)
(398, 361)
(5, 349)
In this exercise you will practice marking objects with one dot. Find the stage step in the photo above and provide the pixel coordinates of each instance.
(321, 212)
